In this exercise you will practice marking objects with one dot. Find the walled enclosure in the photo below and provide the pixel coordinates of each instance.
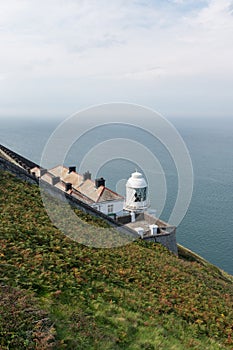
(20, 167)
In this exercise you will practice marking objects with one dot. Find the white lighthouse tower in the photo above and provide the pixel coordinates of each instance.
(136, 199)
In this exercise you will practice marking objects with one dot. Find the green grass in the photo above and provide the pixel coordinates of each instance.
(138, 296)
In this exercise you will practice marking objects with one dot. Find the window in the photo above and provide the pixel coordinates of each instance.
(110, 208)
(140, 194)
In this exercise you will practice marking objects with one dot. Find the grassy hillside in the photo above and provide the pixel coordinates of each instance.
(56, 293)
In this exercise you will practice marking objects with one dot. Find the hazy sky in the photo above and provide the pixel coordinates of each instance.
(58, 56)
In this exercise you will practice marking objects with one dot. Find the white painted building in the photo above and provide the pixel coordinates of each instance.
(136, 193)
(94, 193)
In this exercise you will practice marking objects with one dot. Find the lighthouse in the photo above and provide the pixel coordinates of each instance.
(136, 199)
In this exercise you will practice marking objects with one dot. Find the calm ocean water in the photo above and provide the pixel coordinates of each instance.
(207, 227)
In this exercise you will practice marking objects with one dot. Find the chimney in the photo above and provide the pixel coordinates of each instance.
(153, 230)
(43, 171)
(68, 186)
(99, 182)
(55, 180)
(132, 213)
(87, 176)
(72, 168)
(140, 231)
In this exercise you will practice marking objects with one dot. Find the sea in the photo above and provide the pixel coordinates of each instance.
(207, 227)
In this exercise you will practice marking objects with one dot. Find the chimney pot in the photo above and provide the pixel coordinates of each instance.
(72, 168)
(68, 186)
(87, 176)
(43, 171)
(99, 182)
(55, 180)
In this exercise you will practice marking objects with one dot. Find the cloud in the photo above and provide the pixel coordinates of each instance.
(50, 42)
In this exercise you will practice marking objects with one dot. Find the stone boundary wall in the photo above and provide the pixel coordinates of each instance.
(168, 240)
(17, 158)
(17, 171)
(124, 219)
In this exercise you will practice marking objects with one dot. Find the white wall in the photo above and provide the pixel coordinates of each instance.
(103, 206)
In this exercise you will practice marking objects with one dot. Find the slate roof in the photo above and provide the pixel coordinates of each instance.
(74, 178)
(85, 190)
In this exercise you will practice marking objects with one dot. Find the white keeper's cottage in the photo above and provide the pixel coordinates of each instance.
(82, 187)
